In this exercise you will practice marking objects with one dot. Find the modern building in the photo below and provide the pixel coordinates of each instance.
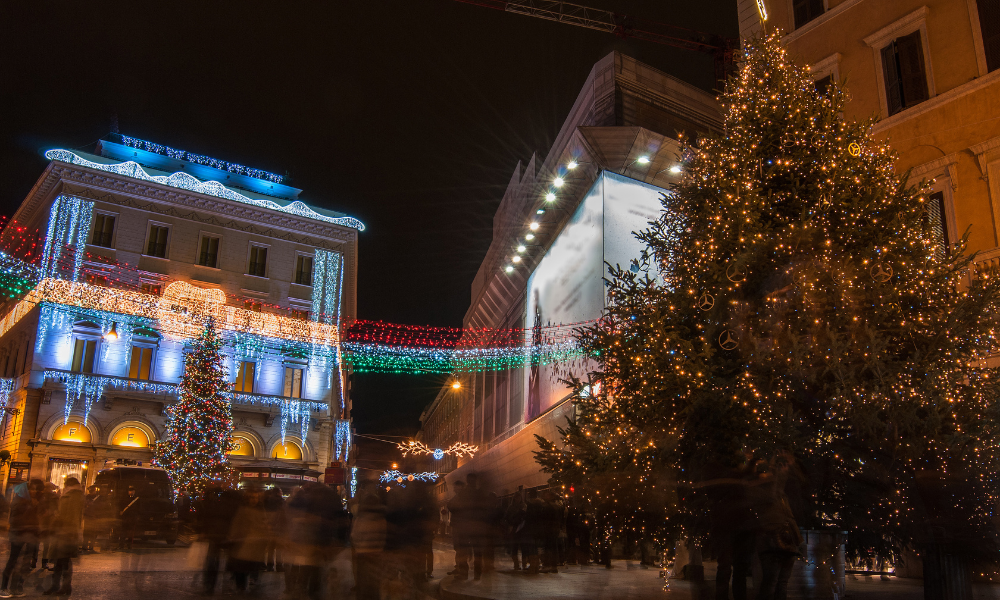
(562, 217)
(139, 244)
(930, 72)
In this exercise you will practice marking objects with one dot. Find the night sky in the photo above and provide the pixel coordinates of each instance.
(407, 114)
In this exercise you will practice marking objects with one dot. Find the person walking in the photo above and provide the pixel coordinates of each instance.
(552, 515)
(128, 513)
(215, 512)
(514, 523)
(460, 535)
(248, 537)
(67, 526)
(368, 534)
(23, 536)
(534, 523)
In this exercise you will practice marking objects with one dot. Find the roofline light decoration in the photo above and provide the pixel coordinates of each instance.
(212, 188)
(418, 447)
(222, 165)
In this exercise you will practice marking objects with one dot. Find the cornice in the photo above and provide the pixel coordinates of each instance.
(172, 211)
(182, 199)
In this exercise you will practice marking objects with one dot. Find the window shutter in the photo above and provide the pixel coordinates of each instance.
(890, 69)
(989, 22)
(912, 76)
(938, 223)
(806, 10)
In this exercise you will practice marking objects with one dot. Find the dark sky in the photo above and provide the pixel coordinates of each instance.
(407, 114)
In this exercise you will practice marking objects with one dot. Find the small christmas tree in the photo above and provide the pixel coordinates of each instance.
(200, 424)
(811, 313)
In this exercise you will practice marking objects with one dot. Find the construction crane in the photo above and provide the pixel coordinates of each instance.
(723, 50)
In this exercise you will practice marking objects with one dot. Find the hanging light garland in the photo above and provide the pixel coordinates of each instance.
(403, 478)
(457, 449)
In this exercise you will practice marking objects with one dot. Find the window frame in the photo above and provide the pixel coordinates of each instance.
(86, 339)
(943, 173)
(915, 21)
(250, 249)
(218, 250)
(144, 342)
(828, 67)
(299, 255)
(790, 4)
(114, 230)
(977, 38)
(293, 366)
(240, 371)
(166, 245)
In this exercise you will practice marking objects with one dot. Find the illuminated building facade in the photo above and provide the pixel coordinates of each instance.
(139, 244)
(561, 218)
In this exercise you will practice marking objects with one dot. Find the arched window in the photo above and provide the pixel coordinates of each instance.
(130, 436)
(73, 431)
(241, 446)
(287, 451)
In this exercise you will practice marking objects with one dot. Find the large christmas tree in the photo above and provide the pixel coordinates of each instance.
(808, 311)
(200, 424)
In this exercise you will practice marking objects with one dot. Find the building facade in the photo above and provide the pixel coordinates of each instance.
(929, 70)
(562, 217)
(139, 245)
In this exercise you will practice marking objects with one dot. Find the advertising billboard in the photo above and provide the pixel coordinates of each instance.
(567, 286)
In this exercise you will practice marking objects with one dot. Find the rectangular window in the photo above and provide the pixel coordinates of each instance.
(938, 223)
(293, 382)
(142, 360)
(823, 85)
(157, 241)
(302, 315)
(806, 10)
(148, 287)
(304, 270)
(83, 356)
(244, 378)
(104, 230)
(208, 255)
(903, 70)
(258, 261)
(253, 305)
(989, 22)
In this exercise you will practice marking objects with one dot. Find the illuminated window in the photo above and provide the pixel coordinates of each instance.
(157, 245)
(131, 437)
(83, 356)
(258, 261)
(104, 230)
(304, 270)
(208, 256)
(244, 378)
(142, 360)
(241, 447)
(293, 382)
(287, 451)
(73, 431)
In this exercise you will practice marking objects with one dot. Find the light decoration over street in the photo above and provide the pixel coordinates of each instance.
(417, 447)
(403, 478)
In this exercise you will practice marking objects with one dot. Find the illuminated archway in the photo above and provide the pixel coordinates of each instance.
(287, 451)
(242, 447)
(130, 436)
(72, 431)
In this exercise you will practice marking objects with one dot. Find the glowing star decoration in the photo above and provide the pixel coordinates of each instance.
(400, 478)
(457, 449)
(212, 188)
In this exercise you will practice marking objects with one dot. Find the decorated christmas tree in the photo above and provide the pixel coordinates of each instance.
(807, 317)
(200, 424)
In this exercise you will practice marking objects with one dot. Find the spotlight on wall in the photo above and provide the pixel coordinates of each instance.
(456, 385)
(529, 236)
(112, 334)
(550, 197)
(558, 182)
(509, 268)
(533, 226)
(521, 248)
(675, 169)
(572, 164)
(642, 160)
(515, 259)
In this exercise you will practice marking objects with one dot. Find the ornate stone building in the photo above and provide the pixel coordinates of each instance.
(141, 243)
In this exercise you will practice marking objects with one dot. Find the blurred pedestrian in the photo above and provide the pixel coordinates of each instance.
(778, 536)
(23, 536)
(534, 523)
(215, 512)
(274, 506)
(368, 535)
(514, 525)
(318, 526)
(67, 526)
(46, 512)
(458, 507)
(248, 537)
(552, 515)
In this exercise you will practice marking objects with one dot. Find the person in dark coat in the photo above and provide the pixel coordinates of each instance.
(23, 535)
(128, 513)
(368, 535)
(67, 525)
(460, 534)
(552, 516)
(514, 524)
(534, 523)
(318, 527)
(248, 537)
(215, 512)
